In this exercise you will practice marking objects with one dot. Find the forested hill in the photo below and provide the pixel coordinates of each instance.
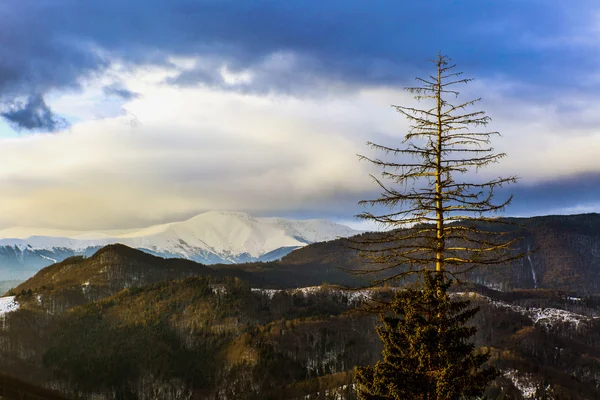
(218, 338)
(78, 280)
(565, 255)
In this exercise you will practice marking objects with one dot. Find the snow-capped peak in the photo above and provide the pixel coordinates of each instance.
(229, 236)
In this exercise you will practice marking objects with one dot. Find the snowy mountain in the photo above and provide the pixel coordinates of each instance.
(211, 237)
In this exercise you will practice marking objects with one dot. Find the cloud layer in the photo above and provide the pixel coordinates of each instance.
(53, 44)
(183, 106)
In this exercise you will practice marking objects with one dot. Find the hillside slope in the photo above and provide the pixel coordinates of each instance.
(78, 280)
(565, 254)
(220, 339)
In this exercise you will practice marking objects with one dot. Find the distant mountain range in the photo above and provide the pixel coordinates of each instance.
(209, 238)
(566, 256)
(565, 251)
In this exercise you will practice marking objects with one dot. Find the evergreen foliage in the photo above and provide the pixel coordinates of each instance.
(427, 354)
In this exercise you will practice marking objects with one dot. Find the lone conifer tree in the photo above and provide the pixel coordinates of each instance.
(444, 226)
(445, 222)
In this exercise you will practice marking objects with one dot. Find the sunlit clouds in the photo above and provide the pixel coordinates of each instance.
(233, 106)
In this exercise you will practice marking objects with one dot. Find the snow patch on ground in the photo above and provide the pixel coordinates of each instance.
(8, 304)
(307, 290)
(544, 317)
(85, 286)
(352, 296)
(267, 292)
(494, 286)
(522, 382)
(219, 290)
(48, 258)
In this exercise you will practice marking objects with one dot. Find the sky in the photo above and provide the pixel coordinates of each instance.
(120, 114)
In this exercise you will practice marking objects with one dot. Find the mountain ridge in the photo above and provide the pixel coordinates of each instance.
(568, 258)
(210, 238)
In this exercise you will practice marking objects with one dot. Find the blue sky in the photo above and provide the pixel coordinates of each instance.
(119, 114)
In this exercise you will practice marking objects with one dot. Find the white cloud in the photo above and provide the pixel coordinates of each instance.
(193, 150)
(545, 139)
(196, 149)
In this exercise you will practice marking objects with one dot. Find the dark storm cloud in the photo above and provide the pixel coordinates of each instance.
(47, 45)
(565, 195)
(33, 115)
(576, 194)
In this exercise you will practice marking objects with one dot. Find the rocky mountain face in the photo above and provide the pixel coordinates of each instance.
(209, 238)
